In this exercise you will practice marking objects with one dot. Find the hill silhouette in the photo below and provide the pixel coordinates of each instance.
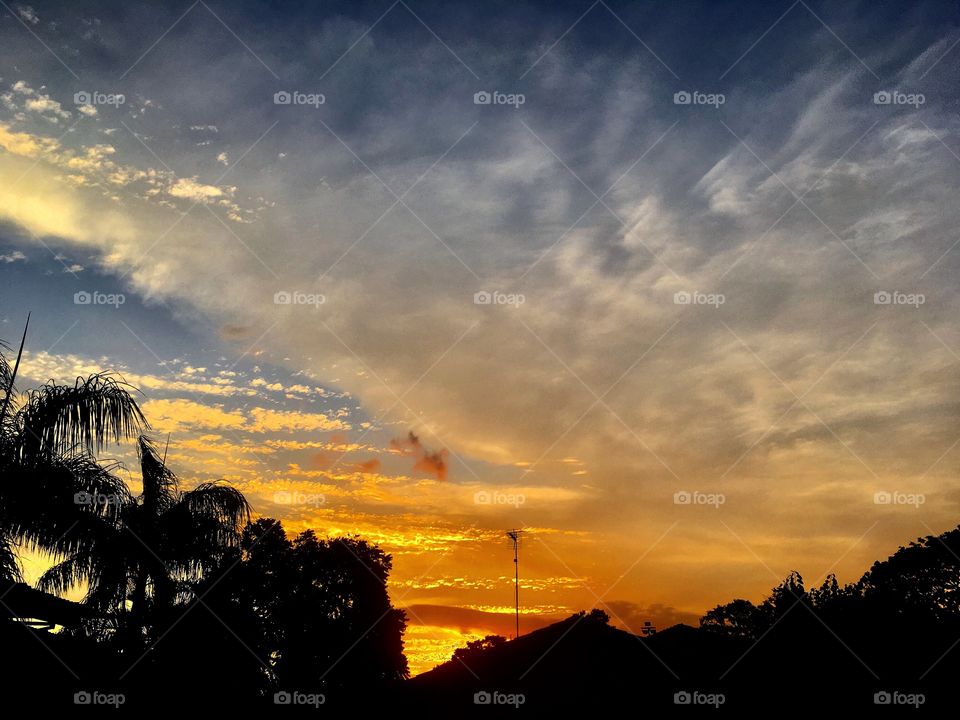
(580, 661)
(583, 663)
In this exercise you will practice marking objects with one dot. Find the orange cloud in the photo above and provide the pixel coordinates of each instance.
(466, 619)
(432, 463)
(265, 420)
(369, 466)
(435, 631)
(176, 414)
(322, 460)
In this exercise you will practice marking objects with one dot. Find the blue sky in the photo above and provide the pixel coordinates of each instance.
(750, 295)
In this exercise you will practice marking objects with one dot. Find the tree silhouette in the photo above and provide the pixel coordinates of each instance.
(48, 441)
(322, 610)
(921, 579)
(152, 549)
(739, 618)
(473, 648)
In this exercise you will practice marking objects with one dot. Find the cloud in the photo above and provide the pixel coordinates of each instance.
(699, 215)
(45, 104)
(632, 616)
(39, 102)
(27, 14)
(371, 466)
(266, 420)
(426, 461)
(192, 190)
(25, 144)
(15, 256)
(200, 381)
(177, 415)
(94, 166)
(235, 332)
(691, 396)
(493, 623)
(37, 199)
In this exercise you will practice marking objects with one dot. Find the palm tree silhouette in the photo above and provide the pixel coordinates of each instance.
(144, 558)
(49, 438)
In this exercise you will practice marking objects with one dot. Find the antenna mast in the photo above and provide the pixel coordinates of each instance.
(514, 536)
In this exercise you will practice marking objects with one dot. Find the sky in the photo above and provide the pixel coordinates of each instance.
(670, 286)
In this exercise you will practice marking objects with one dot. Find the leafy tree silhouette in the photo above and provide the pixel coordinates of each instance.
(321, 609)
(473, 648)
(739, 618)
(921, 580)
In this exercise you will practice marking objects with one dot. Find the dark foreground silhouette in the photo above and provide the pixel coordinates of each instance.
(191, 606)
(887, 641)
(274, 636)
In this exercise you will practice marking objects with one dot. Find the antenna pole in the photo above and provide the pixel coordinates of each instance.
(514, 535)
(516, 581)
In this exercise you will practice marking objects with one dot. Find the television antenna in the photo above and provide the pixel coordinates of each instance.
(514, 536)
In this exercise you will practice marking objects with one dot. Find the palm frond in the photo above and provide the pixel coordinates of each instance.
(67, 573)
(9, 566)
(159, 482)
(6, 372)
(96, 410)
(202, 528)
(10, 375)
(222, 503)
(61, 504)
(108, 494)
(104, 570)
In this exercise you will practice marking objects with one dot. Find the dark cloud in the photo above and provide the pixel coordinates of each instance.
(427, 461)
(468, 619)
(632, 616)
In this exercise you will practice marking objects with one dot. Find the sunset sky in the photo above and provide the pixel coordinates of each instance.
(748, 300)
